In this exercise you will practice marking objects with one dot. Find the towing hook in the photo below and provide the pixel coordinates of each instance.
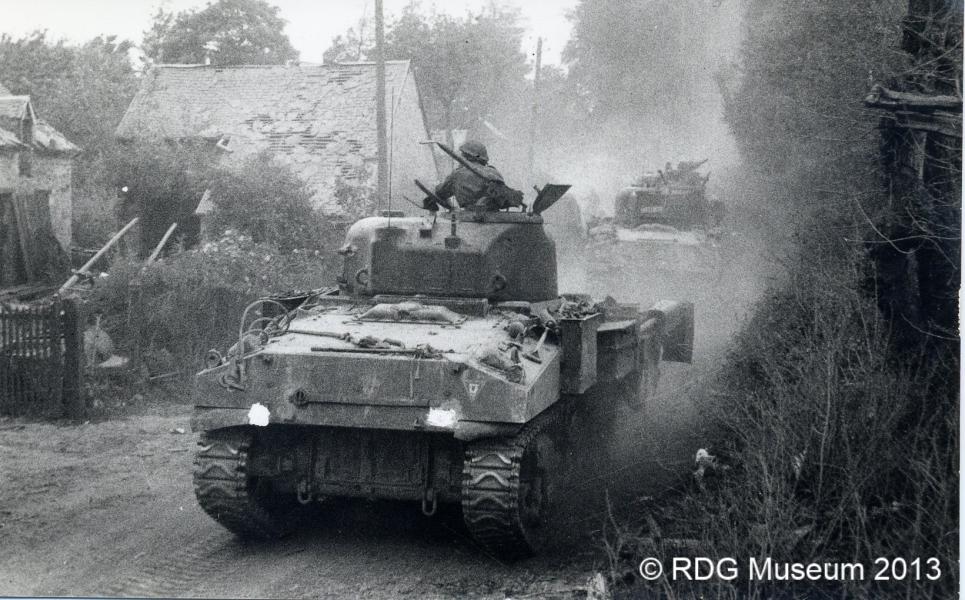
(304, 492)
(430, 502)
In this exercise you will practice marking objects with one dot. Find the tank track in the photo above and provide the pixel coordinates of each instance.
(491, 500)
(224, 491)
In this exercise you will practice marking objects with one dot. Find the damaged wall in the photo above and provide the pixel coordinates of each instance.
(47, 173)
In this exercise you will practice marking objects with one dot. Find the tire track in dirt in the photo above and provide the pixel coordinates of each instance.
(212, 555)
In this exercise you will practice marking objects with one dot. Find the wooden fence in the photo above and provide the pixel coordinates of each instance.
(41, 360)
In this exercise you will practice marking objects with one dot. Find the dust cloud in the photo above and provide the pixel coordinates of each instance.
(645, 449)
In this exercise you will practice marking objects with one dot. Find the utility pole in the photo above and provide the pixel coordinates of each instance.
(383, 152)
(531, 158)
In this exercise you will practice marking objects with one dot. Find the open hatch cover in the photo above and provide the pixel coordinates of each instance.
(548, 196)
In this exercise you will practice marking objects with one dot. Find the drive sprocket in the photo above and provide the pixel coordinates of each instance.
(241, 503)
(508, 485)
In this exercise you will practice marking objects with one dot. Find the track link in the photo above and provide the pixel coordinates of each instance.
(496, 492)
(226, 492)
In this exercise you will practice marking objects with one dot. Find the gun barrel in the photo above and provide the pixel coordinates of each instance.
(694, 165)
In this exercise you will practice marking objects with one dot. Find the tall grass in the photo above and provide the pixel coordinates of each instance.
(832, 443)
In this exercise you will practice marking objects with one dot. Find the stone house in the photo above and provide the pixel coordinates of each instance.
(35, 193)
(317, 119)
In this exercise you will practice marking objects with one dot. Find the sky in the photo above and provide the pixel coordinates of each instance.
(311, 23)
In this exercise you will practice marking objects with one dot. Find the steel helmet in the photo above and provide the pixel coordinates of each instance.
(474, 151)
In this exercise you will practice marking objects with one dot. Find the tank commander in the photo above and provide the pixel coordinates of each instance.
(476, 184)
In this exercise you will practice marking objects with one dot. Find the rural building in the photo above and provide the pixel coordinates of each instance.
(35, 193)
(317, 119)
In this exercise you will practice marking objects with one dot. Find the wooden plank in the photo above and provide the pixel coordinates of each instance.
(23, 236)
(73, 278)
(882, 97)
(616, 325)
(6, 390)
(27, 291)
(53, 362)
(160, 245)
(73, 400)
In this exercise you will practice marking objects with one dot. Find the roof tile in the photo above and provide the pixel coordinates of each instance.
(319, 115)
(14, 107)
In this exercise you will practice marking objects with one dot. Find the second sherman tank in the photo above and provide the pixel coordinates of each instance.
(667, 221)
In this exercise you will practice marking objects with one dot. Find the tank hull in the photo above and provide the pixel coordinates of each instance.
(382, 388)
(432, 377)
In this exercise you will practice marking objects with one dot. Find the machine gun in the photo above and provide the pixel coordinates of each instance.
(453, 240)
(497, 192)
(453, 205)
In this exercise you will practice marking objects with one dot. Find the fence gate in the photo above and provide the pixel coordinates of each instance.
(41, 359)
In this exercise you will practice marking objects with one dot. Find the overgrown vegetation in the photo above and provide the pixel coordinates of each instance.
(164, 183)
(191, 302)
(263, 237)
(160, 182)
(835, 416)
(831, 444)
(265, 200)
(82, 91)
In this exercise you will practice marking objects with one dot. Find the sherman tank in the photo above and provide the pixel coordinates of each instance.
(444, 367)
(666, 221)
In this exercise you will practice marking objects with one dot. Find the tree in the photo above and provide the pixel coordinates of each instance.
(642, 70)
(795, 108)
(229, 32)
(463, 66)
(83, 92)
(32, 65)
(637, 55)
(352, 46)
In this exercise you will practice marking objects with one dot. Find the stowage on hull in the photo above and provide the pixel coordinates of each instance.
(331, 366)
(383, 387)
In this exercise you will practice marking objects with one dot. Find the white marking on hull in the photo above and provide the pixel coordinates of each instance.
(258, 415)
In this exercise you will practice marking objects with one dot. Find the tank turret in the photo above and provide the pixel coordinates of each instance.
(499, 256)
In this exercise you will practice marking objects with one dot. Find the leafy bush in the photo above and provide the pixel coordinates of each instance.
(161, 182)
(260, 198)
(191, 302)
(355, 194)
(268, 202)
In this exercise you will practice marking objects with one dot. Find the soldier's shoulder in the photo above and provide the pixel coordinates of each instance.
(494, 171)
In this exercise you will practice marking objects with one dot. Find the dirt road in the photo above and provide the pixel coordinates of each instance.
(108, 509)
